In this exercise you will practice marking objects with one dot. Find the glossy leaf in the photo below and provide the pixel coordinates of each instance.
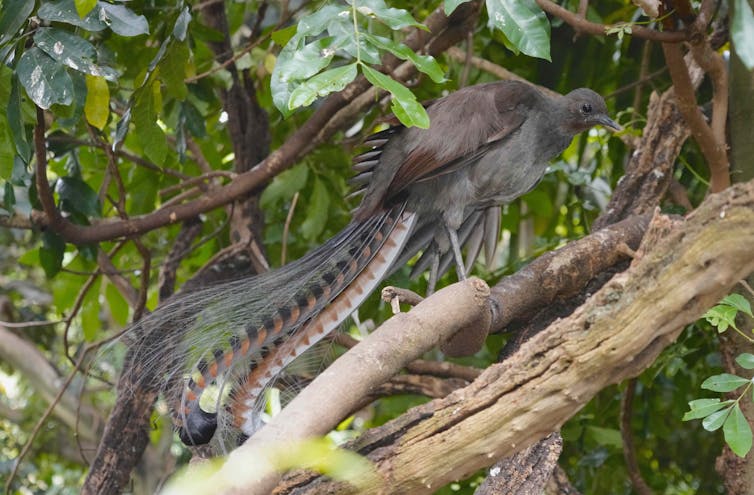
(123, 21)
(724, 382)
(44, 79)
(390, 16)
(742, 32)
(404, 104)
(13, 16)
(425, 63)
(524, 24)
(97, 106)
(737, 432)
(71, 50)
(322, 84)
(51, 253)
(65, 11)
(76, 196)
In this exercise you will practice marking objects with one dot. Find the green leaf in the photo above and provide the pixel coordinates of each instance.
(737, 432)
(148, 133)
(404, 105)
(605, 436)
(283, 36)
(721, 317)
(83, 7)
(97, 106)
(524, 24)
(392, 17)
(66, 11)
(124, 21)
(425, 63)
(297, 62)
(71, 50)
(116, 304)
(745, 360)
(452, 5)
(322, 84)
(15, 122)
(724, 382)
(51, 253)
(739, 302)
(285, 185)
(316, 218)
(742, 32)
(76, 196)
(13, 16)
(702, 408)
(715, 420)
(173, 70)
(45, 80)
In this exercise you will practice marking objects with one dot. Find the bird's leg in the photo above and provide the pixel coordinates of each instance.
(434, 270)
(456, 247)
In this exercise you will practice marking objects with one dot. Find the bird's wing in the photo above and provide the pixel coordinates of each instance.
(463, 126)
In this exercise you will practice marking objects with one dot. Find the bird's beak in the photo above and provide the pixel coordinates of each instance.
(608, 122)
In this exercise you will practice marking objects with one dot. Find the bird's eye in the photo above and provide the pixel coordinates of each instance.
(586, 108)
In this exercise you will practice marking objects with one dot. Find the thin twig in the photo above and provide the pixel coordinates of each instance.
(287, 227)
(629, 451)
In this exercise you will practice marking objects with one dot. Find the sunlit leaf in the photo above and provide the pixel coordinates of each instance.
(97, 106)
(390, 16)
(322, 84)
(524, 24)
(739, 302)
(425, 63)
(404, 104)
(737, 432)
(83, 7)
(181, 24)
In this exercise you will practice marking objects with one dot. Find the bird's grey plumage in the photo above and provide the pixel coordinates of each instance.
(486, 145)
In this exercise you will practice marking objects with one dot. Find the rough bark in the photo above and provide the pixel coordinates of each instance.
(616, 334)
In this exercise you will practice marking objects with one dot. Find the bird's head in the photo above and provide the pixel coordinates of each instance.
(584, 109)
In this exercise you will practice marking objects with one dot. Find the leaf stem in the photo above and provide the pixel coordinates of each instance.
(356, 32)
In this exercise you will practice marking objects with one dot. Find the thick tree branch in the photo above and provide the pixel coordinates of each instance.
(616, 334)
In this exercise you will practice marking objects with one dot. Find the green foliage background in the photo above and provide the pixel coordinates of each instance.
(147, 83)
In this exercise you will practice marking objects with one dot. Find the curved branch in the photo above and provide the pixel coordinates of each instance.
(582, 25)
(616, 334)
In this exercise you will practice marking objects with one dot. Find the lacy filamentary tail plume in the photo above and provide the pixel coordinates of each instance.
(430, 190)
